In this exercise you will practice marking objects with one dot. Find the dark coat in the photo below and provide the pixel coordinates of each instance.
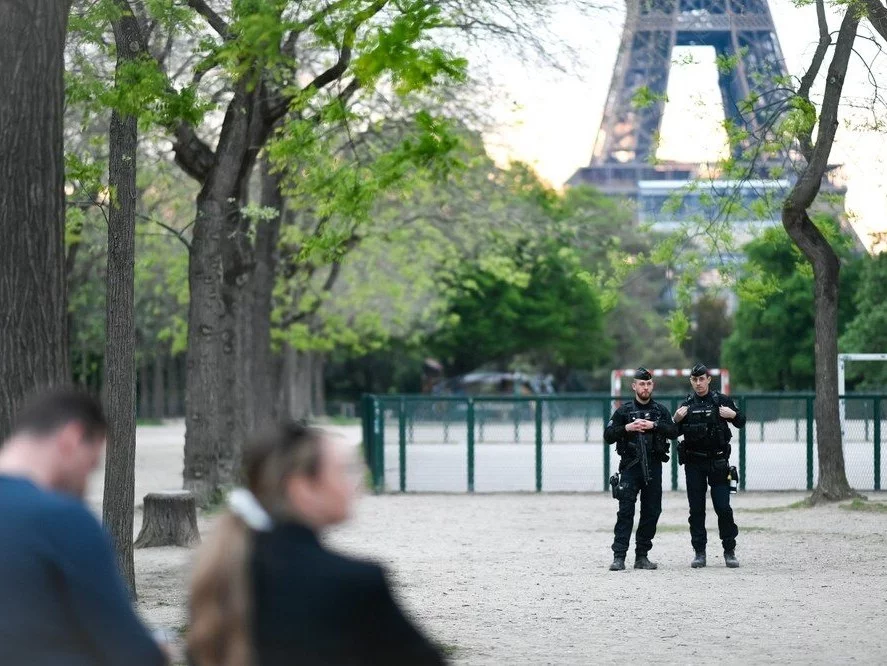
(313, 606)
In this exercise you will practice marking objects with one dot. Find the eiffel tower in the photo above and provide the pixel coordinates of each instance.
(742, 34)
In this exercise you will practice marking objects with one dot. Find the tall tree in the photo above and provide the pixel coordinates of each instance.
(118, 501)
(832, 484)
(33, 339)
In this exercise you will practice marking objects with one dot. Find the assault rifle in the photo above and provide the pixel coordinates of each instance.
(643, 445)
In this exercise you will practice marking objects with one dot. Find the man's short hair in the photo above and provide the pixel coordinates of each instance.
(47, 411)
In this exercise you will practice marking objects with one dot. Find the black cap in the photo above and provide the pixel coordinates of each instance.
(642, 373)
(698, 370)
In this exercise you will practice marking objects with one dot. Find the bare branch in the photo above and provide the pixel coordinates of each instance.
(180, 234)
(807, 186)
(215, 21)
(825, 40)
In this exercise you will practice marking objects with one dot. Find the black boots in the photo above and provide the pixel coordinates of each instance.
(641, 562)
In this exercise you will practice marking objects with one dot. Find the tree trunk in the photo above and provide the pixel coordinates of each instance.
(158, 397)
(210, 346)
(169, 519)
(33, 294)
(263, 280)
(120, 366)
(298, 383)
(218, 270)
(246, 380)
(832, 483)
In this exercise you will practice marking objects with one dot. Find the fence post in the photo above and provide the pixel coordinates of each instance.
(366, 415)
(380, 445)
(876, 406)
(587, 422)
(411, 418)
(470, 445)
(606, 448)
(538, 415)
(402, 442)
(743, 407)
(810, 442)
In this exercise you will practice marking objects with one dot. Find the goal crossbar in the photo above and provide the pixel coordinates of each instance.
(617, 375)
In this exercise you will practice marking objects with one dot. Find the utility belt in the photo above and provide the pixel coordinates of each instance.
(719, 461)
(686, 451)
(705, 455)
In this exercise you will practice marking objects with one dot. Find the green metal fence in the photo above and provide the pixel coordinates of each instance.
(555, 443)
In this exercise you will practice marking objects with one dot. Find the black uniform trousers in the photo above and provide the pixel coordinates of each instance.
(699, 474)
(651, 507)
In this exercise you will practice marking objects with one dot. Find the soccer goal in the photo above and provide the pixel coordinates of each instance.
(617, 375)
(842, 363)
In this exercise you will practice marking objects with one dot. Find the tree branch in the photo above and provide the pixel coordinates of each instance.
(335, 270)
(215, 21)
(180, 234)
(807, 186)
(278, 107)
(825, 40)
(191, 153)
(877, 16)
(290, 44)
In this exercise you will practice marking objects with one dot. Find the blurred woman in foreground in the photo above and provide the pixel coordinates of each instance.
(267, 593)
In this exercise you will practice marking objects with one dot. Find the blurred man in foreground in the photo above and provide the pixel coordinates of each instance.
(62, 600)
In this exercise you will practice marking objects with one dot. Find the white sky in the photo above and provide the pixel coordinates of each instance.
(550, 120)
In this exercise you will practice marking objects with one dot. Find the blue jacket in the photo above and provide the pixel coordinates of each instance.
(62, 600)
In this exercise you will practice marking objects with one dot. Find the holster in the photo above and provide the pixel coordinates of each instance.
(720, 470)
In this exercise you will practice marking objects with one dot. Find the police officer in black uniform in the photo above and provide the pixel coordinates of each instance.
(639, 418)
(705, 453)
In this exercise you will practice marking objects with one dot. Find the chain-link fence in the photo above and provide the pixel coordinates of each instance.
(555, 443)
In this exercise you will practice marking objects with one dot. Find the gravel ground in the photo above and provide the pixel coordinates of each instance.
(523, 579)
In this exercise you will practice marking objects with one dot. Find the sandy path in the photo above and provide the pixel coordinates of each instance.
(522, 579)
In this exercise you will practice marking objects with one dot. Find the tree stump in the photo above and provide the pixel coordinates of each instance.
(169, 519)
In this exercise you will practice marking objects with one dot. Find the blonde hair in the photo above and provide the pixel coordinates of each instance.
(221, 599)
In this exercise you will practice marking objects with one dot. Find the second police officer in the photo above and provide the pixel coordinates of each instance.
(641, 430)
(705, 453)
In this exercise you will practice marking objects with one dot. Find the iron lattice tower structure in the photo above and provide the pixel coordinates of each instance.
(739, 30)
